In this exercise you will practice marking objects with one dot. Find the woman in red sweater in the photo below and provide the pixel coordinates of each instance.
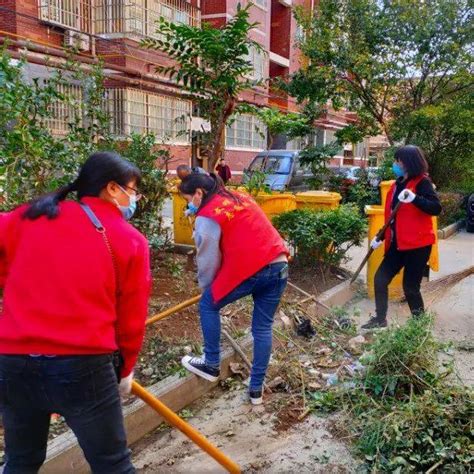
(76, 282)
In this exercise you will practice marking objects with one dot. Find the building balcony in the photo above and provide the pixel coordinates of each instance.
(116, 18)
(138, 18)
(68, 14)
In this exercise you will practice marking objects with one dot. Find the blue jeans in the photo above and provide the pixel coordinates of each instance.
(83, 389)
(266, 288)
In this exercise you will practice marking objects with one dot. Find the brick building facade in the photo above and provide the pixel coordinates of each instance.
(139, 99)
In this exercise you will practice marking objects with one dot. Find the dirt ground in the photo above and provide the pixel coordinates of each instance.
(246, 434)
(174, 281)
(254, 437)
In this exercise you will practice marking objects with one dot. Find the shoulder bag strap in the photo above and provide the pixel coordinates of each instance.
(117, 359)
(101, 229)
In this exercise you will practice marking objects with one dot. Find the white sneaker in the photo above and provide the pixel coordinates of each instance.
(256, 397)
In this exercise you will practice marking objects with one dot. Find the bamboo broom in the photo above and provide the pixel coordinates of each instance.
(444, 283)
(448, 281)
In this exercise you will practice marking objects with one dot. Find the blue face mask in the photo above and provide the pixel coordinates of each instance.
(398, 170)
(128, 211)
(192, 208)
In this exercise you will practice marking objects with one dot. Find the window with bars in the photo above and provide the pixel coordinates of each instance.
(73, 14)
(247, 131)
(135, 111)
(140, 17)
(65, 111)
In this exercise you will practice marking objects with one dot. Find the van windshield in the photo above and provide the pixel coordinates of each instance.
(271, 164)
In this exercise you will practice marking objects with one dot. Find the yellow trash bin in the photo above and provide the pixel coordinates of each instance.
(318, 200)
(384, 189)
(182, 228)
(274, 204)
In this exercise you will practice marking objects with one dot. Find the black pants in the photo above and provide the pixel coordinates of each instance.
(83, 389)
(414, 262)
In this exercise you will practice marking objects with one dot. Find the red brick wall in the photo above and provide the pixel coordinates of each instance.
(8, 19)
(238, 160)
(280, 39)
(32, 28)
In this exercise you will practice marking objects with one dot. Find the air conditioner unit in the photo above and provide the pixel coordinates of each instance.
(200, 125)
(75, 39)
(286, 3)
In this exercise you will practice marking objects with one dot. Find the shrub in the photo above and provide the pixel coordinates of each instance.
(256, 183)
(152, 160)
(402, 414)
(322, 236)
(33, 161)
(362, 192)
(452, 208)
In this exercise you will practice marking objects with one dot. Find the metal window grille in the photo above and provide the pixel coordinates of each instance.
(139, 17)
(65, 111)
(246, 132)
(74, 14)
(135, 111)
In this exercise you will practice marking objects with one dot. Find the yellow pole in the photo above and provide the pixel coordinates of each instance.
(172, 310)
(194, 435)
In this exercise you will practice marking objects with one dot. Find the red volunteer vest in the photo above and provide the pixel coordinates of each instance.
(249, 242)
(414, 228)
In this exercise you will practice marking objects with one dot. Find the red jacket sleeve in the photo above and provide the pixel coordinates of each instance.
(132, 306)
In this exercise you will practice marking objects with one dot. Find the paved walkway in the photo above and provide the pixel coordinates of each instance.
(454, 309)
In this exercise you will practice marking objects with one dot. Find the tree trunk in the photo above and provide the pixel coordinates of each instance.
(218, 135)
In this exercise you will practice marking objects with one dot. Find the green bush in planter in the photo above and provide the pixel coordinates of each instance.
(322, 237)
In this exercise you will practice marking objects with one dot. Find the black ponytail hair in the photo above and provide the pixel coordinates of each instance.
(99, 169)
(209, 183)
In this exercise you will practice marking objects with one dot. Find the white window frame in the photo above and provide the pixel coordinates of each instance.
(263, 4)
(258, 60)
(245, 134)
(136, 111)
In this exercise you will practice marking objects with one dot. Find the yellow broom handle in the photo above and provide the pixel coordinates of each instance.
(173, 310)
(194, 435)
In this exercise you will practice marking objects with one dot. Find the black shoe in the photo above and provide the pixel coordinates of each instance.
(375, 323)
(198, 366)
(256, 397)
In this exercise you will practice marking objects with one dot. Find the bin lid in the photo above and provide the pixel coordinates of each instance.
(266, 197)
(318, 196)
(374, 210)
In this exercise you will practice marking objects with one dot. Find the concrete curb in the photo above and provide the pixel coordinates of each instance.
(450, 230)
(338, 295)
(65, 455)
